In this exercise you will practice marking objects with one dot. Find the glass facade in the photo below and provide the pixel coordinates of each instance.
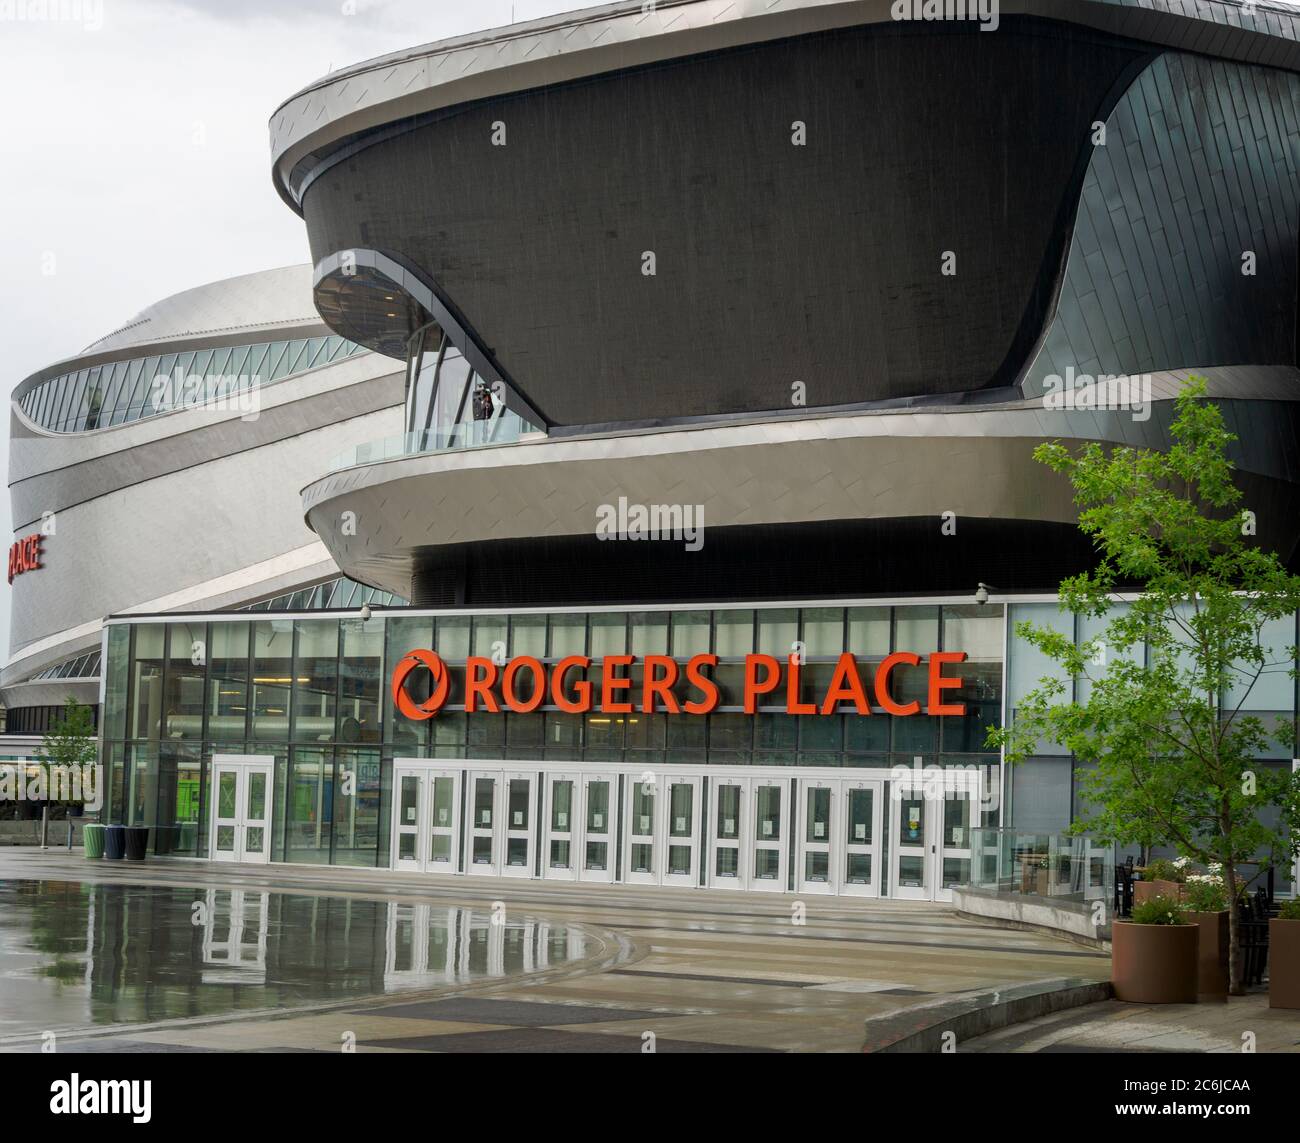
(119, 392)
(830, 802)
(1044, 793)
(448, 405)
(312, 694)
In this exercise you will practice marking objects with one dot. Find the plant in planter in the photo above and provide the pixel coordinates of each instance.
(1153, 954)
(1165, 739)
(1284, 956)
(1160, 878)
(1206, 899)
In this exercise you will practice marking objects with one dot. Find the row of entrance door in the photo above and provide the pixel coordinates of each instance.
(727, 828)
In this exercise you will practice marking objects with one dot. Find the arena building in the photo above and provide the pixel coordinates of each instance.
(708, 345)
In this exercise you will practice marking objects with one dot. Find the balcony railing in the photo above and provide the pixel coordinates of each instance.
(505, 428)
(1062, 866)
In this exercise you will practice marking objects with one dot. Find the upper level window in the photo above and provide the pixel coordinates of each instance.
(119, 392)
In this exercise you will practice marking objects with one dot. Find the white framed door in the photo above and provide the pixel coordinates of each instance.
(912, 828)
(817, 829)
(518, 827)
(728, 837)
(241, 807)
(958, 815)
(560, 841)
(409, 812)
(858, 860)
(426, 811)
(483, 829)
(681, 829)
(770, 834)
(599, 832)
(931, 822)
(642, 845)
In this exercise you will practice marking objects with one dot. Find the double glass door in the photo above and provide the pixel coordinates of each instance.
(749, 821)
(838, 830)
(241, 808)
(932, 847)
(426, 826)
(580, 829)
(661, 828)
(501, 830)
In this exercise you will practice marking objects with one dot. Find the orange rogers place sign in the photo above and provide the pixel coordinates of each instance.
(524, 683)
(25, 555)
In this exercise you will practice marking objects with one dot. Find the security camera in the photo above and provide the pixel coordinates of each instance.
(365, 612)
(982, 593)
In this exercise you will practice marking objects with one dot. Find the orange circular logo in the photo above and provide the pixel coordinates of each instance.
(441, 684)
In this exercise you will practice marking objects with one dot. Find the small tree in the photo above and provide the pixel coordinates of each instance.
(70, 741)
(1171, 757)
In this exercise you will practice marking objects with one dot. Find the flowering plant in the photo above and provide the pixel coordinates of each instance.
(1159, 911)
(1206, 893)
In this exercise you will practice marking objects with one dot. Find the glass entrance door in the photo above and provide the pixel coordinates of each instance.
(483, 850)
(641, 831)
(599, 800)
(408, 813)
(426, 805)
(770, 840)
(933, 819)
(560, 846)
(913, 873)
(727, 808)
(682, 830)
(859, 859)
(521, 809)
(241, 808)
(959, 810)
(816, 832)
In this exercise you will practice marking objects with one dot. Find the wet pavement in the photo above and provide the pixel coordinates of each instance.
(74, 954)
(1241, 1024)
(123, 957)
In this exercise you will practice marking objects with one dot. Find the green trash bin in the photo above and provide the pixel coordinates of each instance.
(92, 837)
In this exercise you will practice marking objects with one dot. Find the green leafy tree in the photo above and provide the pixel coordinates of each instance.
(1169, 755)
(70, 741)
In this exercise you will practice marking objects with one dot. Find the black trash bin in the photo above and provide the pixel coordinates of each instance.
(166, 839)
(114, 843)
(137, 842)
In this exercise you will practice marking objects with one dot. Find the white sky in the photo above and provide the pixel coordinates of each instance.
(134, 159)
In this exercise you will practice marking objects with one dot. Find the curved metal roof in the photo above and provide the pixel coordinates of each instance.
(264, 300)
(319, 120)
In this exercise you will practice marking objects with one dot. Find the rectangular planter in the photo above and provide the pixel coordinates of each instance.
(1154, 964)
(1144, 890)
(1212, 955)
(1283, 963)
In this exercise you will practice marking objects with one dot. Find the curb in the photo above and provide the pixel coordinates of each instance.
(926, 1028)
(1097, 944)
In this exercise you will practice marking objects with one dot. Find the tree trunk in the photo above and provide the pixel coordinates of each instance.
(1235, 987)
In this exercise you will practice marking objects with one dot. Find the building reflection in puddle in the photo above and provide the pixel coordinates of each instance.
(432, 945)
(74, 954)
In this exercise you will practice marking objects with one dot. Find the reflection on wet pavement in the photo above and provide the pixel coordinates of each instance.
(74, 954)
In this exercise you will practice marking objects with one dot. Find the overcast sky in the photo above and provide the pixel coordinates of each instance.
(135, 158)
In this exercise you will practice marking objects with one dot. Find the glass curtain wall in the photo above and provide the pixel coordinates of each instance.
(119, 392)
(312, 694)
(448, 404)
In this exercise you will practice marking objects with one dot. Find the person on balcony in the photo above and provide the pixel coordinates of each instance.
(482, 408)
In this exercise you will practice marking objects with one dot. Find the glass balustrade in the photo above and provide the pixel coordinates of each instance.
(503, 428)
